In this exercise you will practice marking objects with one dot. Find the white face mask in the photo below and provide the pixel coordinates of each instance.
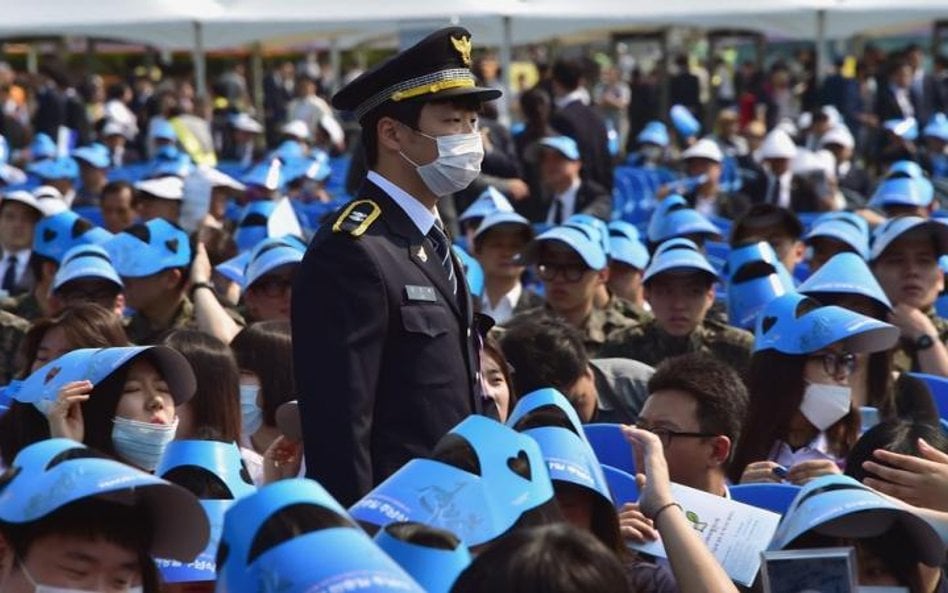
(251, 415)
(141, 443)
(458, 163)
(37, 588)
(823, 404)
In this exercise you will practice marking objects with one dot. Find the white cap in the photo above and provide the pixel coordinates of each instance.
(167, 188)
(806, 161)
(704, 149)
(114, 128)
(23, 197)
(332, 127)
(778, 145)
(243, 121)
(838, 135)
(296, 128)
(218, 178)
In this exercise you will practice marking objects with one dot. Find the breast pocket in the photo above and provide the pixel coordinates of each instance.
(426, 320)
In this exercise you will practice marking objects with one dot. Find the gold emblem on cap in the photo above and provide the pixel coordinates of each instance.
(463, 46)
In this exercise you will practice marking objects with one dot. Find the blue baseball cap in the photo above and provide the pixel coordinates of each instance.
(587, 223)
(347, 559)
(903, 191)
(252, 227)
(490, 201)
(269, 255)
(797, 324)
(42, 147)
(625, 246)
(435, 569)
(162, 128)
(679, 256)
(501, 218)
(682, 222)
(312, 167)
(937, 127)
(564, 145)
(839, 506)
(473, 272)
(671, 203)
(224, 461)
(265, 174)
(288, 150)
(55, 168)
(851, 217)
(96, 155)
(684, 121)
(895, 228)
(179, 165)
(583, 243)
(568, 454)
(841, 230)
(654, 132)
(476, 507)
(86, 261)
(45, 480)
(234, 268)
(905, 168)
(96, 365)
(845, 273)
(56, 234)
(755, 277)
(903, 128)
(148, 248)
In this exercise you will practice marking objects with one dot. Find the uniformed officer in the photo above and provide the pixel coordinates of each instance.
(679, 284)
(384, 354)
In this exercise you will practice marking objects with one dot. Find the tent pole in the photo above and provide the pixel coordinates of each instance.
(821, 61)
(256, 69)
(506, 50)
(335, 64)
(200, 66)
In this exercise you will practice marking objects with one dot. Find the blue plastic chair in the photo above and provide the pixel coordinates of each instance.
(939, 390)
(772, 497)
(610, 446)
(621, 484)
(868, 417)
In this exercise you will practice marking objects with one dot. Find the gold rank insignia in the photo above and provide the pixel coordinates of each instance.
(357, 218)
(463, 46)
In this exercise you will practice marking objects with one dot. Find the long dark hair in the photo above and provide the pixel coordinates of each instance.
(776, 385)
(266, 350)
(215, 407)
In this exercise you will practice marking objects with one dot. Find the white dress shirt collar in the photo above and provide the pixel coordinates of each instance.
(423, 218)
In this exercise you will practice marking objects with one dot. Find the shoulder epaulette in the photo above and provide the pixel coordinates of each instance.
(357, 218)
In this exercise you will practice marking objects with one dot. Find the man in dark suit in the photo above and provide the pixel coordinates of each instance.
(684, 88)
(896, 99)
(565, 192)
(385, 356)
(574, 118)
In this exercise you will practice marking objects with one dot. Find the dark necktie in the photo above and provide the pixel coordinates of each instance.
(557, 211)
(441, 246)
(9, 276)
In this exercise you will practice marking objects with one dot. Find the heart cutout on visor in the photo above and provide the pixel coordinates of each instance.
(520, 465)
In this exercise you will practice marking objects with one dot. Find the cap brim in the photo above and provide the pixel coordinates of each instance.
(176, 370)
(288, 420)
(479, 93)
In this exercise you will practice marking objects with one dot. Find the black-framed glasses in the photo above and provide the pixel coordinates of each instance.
(570, 272)
(665, 435)
(837, 364)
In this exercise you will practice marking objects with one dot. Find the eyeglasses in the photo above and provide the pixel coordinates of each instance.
(665, 435)
(835, 364)
(570, 272)
(272, 287)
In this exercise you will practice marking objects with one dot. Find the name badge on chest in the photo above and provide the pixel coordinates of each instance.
(420, 293)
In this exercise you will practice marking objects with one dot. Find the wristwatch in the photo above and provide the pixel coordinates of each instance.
(197, 285)
(924, 342)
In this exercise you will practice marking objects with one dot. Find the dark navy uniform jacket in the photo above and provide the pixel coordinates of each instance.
(385, 360)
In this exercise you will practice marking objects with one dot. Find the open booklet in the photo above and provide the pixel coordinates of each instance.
(734, 532)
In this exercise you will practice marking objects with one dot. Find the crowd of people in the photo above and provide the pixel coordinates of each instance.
(354, 342)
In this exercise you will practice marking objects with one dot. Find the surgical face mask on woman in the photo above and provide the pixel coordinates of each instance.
(251, 415)
(824, 404)
(457, 165)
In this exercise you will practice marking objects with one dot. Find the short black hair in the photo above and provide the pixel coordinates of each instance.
(716, 387)
(423, 535)
(897, 435)
(114, 187)
(567, 73)
(544, 353)
(554, 559)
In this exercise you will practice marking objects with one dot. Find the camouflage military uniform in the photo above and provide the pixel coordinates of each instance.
(648, 343)
(25, 306)
(627, 309)
(904, 356)
(140, 330)
(597, 328)
(12, 330)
